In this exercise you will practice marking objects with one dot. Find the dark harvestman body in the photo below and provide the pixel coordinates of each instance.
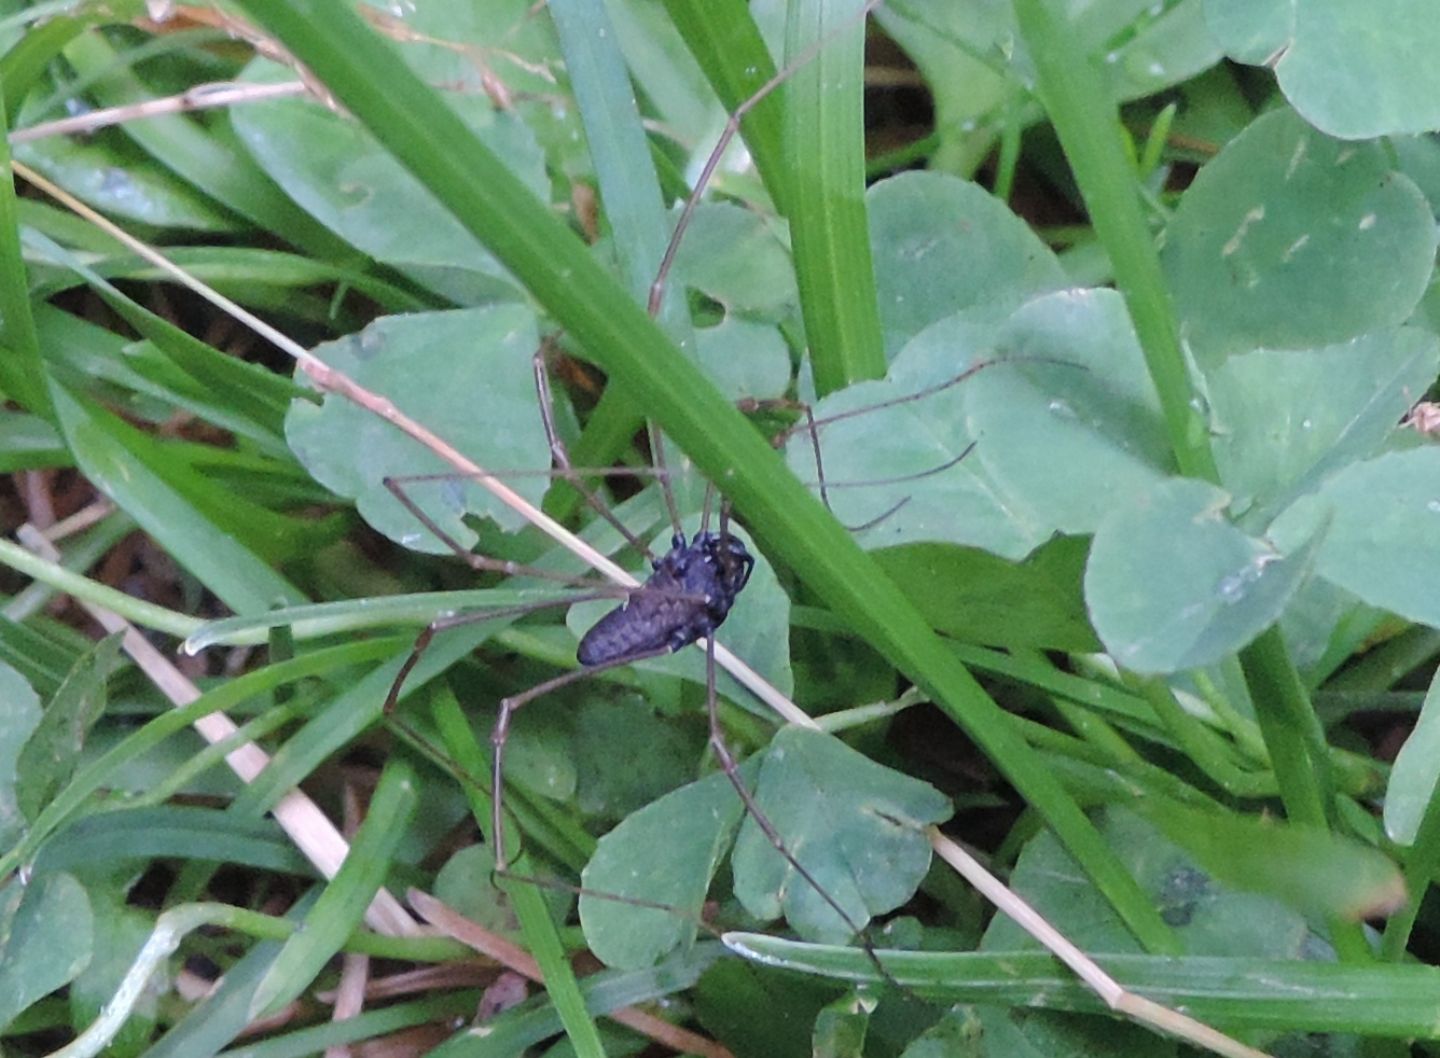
(687, 597)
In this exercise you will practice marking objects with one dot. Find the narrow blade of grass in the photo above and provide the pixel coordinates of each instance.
(21, 374)
(538, 928)
(340, 909)
(828, 226)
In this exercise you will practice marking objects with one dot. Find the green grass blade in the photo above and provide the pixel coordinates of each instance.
(538, 928)
(340, 909)
(331, 618)
(828, 226)
(138, 477)
(350, 712)
(21, 374)
(629, 192)
(546, 826)
(252, 400)
(723, 38)
(1234, 994)
(1088, 124)
(630, 195)
(198, 156)
(32, 54)
(371, 1025)
(82, 587)
(174, 832)
(28, 442)
(1085, 118)
(534, 1021)
(99, 773)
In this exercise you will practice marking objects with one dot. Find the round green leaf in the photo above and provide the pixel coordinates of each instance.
(1361, 68)
(1419, 159)
(1251, 30)
(1172, 585)
(1319, 621)
(1282, 421)
(466, 883)
(739, 258)
(1162, 45)
(977, 597)
(540, 747)
(1379, 527)
(1290, 239)
(45, 939)
(955, 1035)
(336, 171)
(942, 245)
(465, 374)
(841, 1026)
(1353, 69)
(1064, 425)
(855, 826)
(665, 854)
(744, 358)
(607, 730)
(1209, 917)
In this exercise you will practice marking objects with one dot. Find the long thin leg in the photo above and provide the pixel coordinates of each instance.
(657, 453)
(753, 404)
(814, 424)
(479, 563)
(667, 261)
(888, 511)
(732, 126)
(705, 511)
(812, 428)
(561, 457)
(549, 472)
(930, 472)
(732, 772)
(501, 731)
(440, 624)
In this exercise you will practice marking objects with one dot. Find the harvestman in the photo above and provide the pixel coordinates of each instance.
(687, 597)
